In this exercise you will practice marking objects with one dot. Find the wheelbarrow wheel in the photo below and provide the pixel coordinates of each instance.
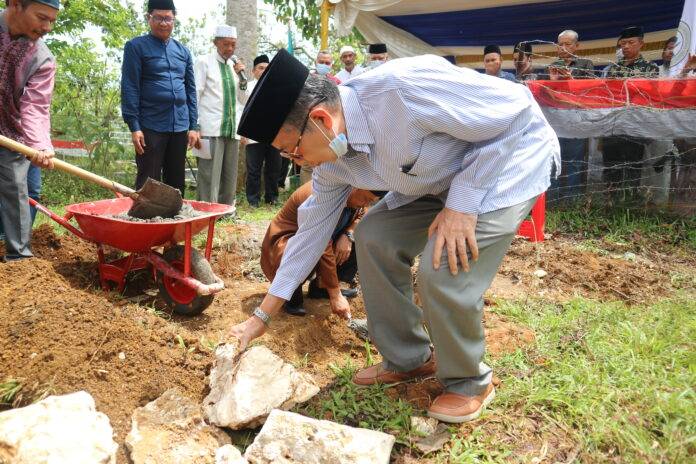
(181, 298)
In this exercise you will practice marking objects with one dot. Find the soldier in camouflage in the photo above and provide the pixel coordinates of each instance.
(623, 156)
(633, 64)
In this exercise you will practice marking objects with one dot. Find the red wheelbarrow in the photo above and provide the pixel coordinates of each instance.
(185, 278)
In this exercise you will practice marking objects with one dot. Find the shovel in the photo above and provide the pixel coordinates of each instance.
(152, 200)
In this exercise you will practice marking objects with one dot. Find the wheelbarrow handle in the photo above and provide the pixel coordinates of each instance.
(31, 154)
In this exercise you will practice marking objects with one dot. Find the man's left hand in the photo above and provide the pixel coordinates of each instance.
(194, 139)
(44, 159)
(455, 232)
(342, 249)
(239, 67)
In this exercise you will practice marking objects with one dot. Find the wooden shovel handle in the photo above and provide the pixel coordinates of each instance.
(31, 154)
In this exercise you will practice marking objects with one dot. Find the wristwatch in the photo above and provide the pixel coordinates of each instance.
(350, 236)
(261, 314)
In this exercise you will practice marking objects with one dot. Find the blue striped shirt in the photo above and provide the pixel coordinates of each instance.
(420, 126)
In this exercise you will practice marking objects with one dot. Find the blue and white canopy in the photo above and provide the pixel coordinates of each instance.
(462, 28)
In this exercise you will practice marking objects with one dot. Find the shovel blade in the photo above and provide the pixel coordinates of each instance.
(156, 199)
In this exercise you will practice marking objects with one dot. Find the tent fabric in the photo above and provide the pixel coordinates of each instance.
(592, 19)
(633, 107)
(463, 27)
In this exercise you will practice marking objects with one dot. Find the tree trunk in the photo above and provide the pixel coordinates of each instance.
(242, 14)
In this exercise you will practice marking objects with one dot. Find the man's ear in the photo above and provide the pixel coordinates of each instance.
(323, 115)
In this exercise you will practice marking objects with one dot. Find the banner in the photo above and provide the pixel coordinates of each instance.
(648, 108)
(686, 38)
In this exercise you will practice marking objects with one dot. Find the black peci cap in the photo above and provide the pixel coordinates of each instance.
(261, 59)
(524, 47)
(273, 98)
(492, 49)
(377, 48)
(631, 31)
(160, 5)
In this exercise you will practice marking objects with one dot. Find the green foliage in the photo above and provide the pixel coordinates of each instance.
(366, 407)
(306, 15)
(9, 391)
(118, 22)
(624, 225)
(86, 104)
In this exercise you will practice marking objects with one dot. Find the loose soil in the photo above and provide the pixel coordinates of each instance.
(59, 332)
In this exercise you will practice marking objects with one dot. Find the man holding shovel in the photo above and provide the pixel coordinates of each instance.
(464, 158)
(27, 72)
(158, 99)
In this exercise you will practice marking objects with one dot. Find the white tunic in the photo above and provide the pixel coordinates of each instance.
(211, 96)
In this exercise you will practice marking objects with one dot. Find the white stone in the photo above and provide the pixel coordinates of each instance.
(540, 273)
(228, 454)
(245, 388)
(423, 426)
(172, 429)
(289, 438)
(58, 430)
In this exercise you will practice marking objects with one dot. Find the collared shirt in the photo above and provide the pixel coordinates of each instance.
(28, 91)
(580, 68)
(343, 75)
(421, 126)
(220, 106)
(158, 88)
(640, 68)
(506, 75)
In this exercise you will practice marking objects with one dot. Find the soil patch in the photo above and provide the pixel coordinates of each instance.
(572, 271)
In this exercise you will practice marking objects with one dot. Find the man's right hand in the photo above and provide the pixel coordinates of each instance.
(138, 142)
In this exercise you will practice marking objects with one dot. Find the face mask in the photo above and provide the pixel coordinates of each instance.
(338, 145)
(323, 69)
(376, 63)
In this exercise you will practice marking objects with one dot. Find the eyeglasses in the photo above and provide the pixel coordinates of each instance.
(293, 154)
(163, 19)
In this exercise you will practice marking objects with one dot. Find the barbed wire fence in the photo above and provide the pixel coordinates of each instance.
(661, 172)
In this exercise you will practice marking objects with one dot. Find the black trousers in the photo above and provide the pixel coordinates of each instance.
(284, 167)
(262, 158)
(164, 159)
(623, 163)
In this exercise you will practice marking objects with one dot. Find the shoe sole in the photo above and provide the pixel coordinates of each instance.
(466, 418)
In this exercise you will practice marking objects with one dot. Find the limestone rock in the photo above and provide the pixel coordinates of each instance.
(289, 438)
(172, 429)
(245, 388)
(228, 454)
(423, 426)
(58, 430)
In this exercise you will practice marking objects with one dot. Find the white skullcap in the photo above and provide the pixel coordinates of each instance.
(346, 49)
(226, 32)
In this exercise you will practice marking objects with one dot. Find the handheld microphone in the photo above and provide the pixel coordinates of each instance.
(242, 75)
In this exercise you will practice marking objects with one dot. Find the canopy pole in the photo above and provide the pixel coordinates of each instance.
(325, 12)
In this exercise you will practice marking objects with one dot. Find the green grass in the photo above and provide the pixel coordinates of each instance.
(366, 407)
(616, 381)
(624, 225)
(9, 391)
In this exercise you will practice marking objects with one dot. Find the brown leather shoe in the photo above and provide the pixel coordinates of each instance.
(378, 374)
(455, 408)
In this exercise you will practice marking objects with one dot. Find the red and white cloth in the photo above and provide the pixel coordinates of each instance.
(650, 108)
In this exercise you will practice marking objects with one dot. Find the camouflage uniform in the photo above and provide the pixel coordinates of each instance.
(639, 68)
(623, 156)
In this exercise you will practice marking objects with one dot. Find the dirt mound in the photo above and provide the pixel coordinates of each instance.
(57, 339)
(572, 271)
